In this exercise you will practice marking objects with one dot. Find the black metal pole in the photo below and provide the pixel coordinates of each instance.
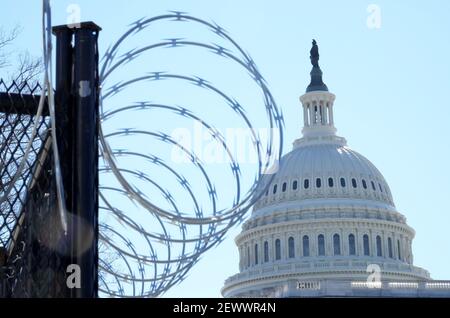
(77, 115)
(86, 116)
(64, 127)
(64, 106)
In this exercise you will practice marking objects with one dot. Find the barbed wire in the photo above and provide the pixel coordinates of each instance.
(150, 274)
(146, 248)
(47, 91)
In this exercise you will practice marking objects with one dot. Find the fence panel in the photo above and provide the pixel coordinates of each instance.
(33, 248)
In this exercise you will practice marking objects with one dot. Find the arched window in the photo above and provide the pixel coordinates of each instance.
(399, 251)
(390, 247)
(330, 182)
(337, 244)
(343, 182)
(248, 256)
(366, 245)
(379, 186)
(373, 185)
(364, 183)
(266, 251)
(275, 189)
(379, 250)
(321, 244)
(351, 244)
(294, 185)
(291, 247)
(306, 184)
(354, 185)
(284, 187)
(277, 249)
(318, 182)
(256, 254)
(305, 245)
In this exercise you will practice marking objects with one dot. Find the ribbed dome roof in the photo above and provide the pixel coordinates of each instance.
(326, 170)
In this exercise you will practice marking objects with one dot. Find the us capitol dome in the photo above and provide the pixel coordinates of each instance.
(327, 225)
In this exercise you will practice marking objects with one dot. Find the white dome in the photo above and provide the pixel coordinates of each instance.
(326, 170)
(327, 217)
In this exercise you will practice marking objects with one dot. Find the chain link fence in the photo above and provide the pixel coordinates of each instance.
(33, 247)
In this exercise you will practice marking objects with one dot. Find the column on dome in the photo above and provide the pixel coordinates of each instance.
(357, 242)
(301, 252)
(240, 258)
(394, 245)
(319, 113)
(322, 113)
(261, 250)
(405, 250)
(305, 115)
(330, 111)
(411, 256)
(344, 242)
(384, 244)
(272, 248)
(402, 248)
(329, 248)
(373, 243)
(312, 115)
(313, 249)
(325, 113)
(247, 256)
(252, 253)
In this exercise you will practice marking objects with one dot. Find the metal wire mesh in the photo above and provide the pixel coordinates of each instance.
(32, 245)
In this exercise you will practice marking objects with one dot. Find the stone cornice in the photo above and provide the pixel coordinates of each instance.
(254, 277)
(321, 212)
(325, 224)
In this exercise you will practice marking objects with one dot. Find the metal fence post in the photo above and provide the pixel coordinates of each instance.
(86, 116)
(77, 99)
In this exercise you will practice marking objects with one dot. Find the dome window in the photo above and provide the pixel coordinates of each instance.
(267, 192)
(305, 245)
(277, 249)
(364, 183)
(291, 247)
(266, 251)
(284, 187)
(390, 247)
(373, 185)
(366, 245)
(351, 244)
(248, 256)
(379, 251)
(354, 183)
(343, 182)
(337, 244)
(330, 182)
(379, 186)
(294, 185)
(256, 254)
(274, 189)
(306, 184)
(318, 182)
(398, 250)
(321, 244)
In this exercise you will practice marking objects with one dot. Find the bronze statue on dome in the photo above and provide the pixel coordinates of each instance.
(314, 54)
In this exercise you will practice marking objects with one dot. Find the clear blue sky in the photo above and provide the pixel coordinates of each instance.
(391, 85)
